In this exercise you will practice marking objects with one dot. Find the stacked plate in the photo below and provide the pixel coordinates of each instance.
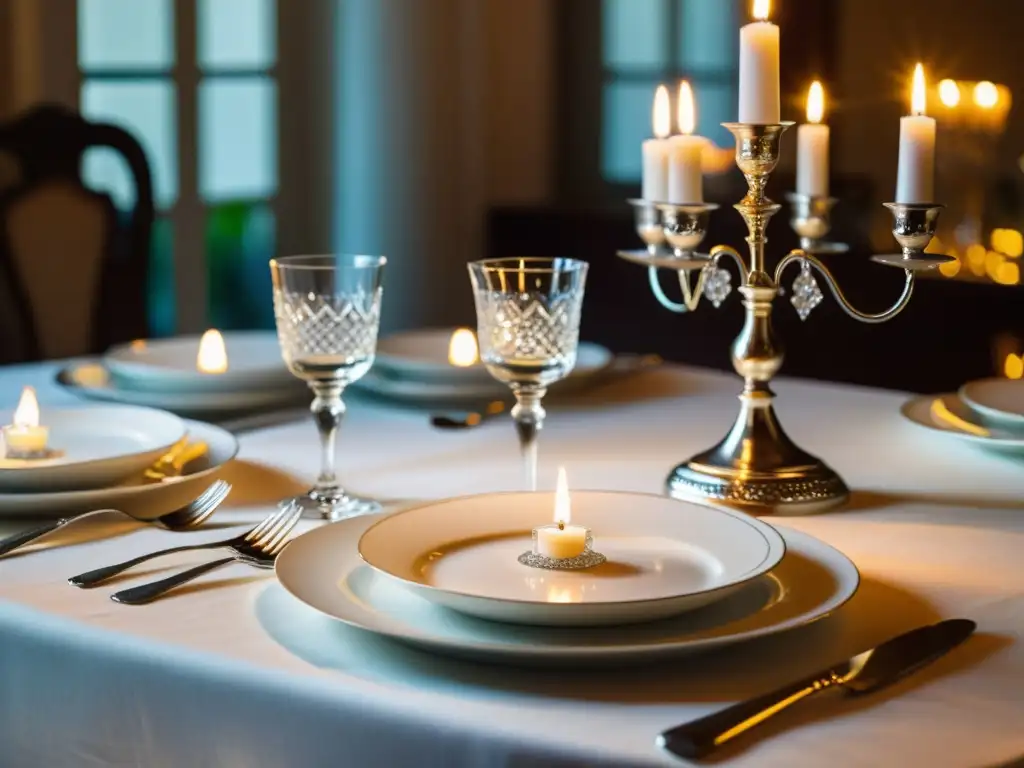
(166, 374)
(987, 412)
(414, 367)
(678, 578)
(102, 458)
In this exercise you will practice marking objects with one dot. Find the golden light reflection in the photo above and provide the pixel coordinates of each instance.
(138, 345)
(949, 93)
(951, 268)
(563, 506)
(1014, 366)
(686, 110)
(212, 356)
(993, 261)
(986, 95)
(564, 593)
(941, 413)
(27, 412)
(1008, 273)
(762, 9)
(462, 349)
(661, 113)
(815, 103)
(1008, 242)
(919, 94)
(976, 258)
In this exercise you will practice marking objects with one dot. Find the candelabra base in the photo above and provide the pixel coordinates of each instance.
(758, 469)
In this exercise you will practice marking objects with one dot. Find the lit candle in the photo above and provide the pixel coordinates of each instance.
(212, 356)
(25, 438)
(759, 69)
(812, 140)
(915, 180)
(686, 153)
(462, 349)
(561, 541)
(655, 151)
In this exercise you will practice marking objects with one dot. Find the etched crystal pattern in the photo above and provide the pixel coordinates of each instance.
(806, 293)
(717, 284)
(311, 325)
(526, 327)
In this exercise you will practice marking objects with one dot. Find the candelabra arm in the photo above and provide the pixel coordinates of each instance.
(724, 250)
(659, 293)
(864, 317)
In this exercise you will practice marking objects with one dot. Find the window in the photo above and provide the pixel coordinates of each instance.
(647, 42)
(195, 82)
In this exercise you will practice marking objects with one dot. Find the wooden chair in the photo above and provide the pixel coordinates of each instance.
(73, 269)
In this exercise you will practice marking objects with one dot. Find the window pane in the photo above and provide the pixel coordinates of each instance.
(626, 122)
(146, 109)
(118, 34)
(240, 241)
(717, 105)
(708, 35)
(237, 138)
(237, 33)
(160, 292)
(634, 33)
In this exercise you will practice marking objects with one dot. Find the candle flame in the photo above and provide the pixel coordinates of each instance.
(563, 511)
(949, 93)
(762, 9)
(661, 114)
(986, 95)
(212, 357)
(686, 110)
(27, 412)
(815, 103)
(462, 349)
(919, 96)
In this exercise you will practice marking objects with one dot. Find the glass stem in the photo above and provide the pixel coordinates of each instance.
(328, 410)
(528, 415)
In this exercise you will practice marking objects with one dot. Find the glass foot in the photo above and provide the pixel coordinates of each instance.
(318, 505)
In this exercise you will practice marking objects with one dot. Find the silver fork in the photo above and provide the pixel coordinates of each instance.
(92, 578)
(260, 552)
(189, 516)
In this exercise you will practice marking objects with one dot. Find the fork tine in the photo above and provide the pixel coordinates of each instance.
(284, 536)
(286, 522)
(210, 493)
(209, 499)
(254, 535)
(200, 516)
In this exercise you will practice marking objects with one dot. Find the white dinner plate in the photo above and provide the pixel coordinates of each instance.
(951, 416)
(322, 569)
(92, 447)
(422, 355)
(134, 497)
(169, 365)
(998, 400)
(92, 381)
(664, 556)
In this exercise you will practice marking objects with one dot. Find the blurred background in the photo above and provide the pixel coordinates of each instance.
(442, 131)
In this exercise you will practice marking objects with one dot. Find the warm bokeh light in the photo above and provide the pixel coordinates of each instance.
(950, 268)
(815, 103)
(27, 412)
(976, 258)
(1008, 242)
(462, 349)
(993, 260)
(213, 356)
(919, 94)
(661, 114)
(1008, 273)
(986, 95)
(138, 345)
(563, 509)
(949, 93)
(762, 9)
(686, 110)
(1014, 367)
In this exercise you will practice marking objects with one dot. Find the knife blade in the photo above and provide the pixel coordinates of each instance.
(864, 673)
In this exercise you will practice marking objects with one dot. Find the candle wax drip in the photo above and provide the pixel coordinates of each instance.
(588, 559)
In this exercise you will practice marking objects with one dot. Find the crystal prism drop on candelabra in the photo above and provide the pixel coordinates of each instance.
(806, 293)
(717, 284)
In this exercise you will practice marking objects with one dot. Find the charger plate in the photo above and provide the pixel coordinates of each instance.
(958, 421)
(664, 556)
(134, 496)
(323, 570)
(93, 447)
(1001, 401)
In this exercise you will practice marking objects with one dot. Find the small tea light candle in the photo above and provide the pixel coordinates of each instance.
(25, 438)
(213, 355)
(562, 546)
(463, 351)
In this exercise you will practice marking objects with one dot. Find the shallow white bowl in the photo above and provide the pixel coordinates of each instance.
(664, 557)
(998, 400)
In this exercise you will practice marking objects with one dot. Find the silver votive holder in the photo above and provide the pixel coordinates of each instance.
(647, 219)
(811, 219)
(588, 558)
(685, 226)
(914, 226)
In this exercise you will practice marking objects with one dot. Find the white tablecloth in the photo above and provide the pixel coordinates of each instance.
(233, 672)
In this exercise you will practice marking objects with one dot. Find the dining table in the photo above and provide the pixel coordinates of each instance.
(233, 671)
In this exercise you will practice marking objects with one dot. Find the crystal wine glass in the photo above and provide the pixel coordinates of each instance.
(328, 311)
(528, 324)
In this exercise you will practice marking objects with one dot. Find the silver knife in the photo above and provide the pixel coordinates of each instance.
(864, 673)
